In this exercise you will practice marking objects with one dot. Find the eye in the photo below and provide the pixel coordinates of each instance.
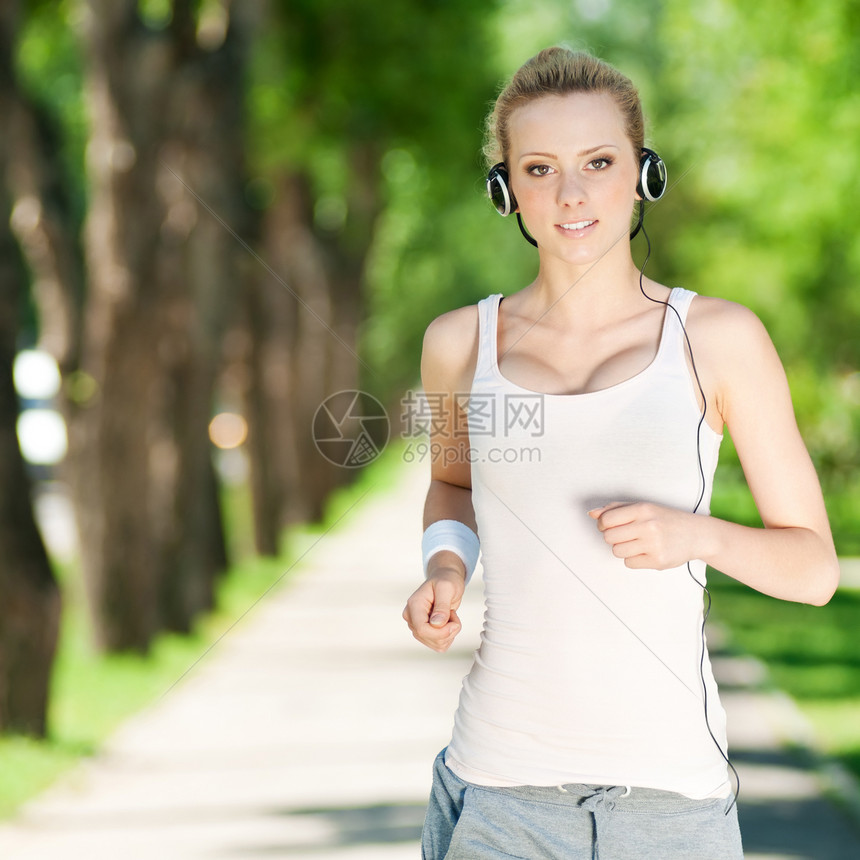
(539, 170)
(600, 163)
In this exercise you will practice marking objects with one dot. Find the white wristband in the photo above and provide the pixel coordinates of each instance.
(454, 536)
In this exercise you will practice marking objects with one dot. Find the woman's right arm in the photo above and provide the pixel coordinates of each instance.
(447, 366)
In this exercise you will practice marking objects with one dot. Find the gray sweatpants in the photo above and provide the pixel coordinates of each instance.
(573, 822)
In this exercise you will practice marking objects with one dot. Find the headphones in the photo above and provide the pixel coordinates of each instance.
(651, 184)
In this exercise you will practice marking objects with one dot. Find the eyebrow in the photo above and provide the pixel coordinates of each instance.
(579, 154)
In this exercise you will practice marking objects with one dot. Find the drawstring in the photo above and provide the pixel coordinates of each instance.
(598, 802)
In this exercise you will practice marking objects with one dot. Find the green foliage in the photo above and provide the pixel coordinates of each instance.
(330, 75)
(49, 65)
(810, 652)
(768, 116)
(156, 14)
(772, 130)
(333, 81)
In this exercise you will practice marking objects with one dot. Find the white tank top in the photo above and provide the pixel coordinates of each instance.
(587, 671)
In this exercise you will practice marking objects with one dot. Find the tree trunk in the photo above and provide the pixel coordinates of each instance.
(110, 440)
(166, 173)
(30, 600)
(266, 405)
(291, 317)
(202, 181)
(304, 326)
(29, 596)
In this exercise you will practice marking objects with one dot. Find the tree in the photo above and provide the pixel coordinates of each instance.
(165, 175)
(29, 596)
(340, 91)
(136, 319)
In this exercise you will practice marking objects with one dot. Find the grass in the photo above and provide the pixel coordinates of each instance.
(93, 693)
(811, 653)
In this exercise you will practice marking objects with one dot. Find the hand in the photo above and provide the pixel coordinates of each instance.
(431, 611)
(646, 535)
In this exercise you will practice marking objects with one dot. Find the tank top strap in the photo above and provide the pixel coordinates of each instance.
(680, 299)
(672, 341)
(487, 328)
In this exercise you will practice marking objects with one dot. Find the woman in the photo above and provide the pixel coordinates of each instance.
(590, 723)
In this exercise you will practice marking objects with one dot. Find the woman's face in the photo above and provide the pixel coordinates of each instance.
(573, 173)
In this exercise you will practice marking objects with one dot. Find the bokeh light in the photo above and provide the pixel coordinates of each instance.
(36, 374)
(42, 436)
(228, 430)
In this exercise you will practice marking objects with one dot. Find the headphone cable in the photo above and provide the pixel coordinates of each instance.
(703, 586)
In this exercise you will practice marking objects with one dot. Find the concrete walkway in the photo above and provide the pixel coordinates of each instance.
(309, 730)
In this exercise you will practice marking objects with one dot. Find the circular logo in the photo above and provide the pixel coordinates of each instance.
(350, 428)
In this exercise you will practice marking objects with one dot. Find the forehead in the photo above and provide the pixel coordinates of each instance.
(575, 120)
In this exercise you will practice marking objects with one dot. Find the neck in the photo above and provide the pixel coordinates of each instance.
(603, 287)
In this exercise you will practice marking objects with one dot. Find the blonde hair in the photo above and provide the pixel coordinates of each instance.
(558, 71)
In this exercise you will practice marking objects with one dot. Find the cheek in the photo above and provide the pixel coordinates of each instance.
(624, 194)
(524, 191)
(528, 198)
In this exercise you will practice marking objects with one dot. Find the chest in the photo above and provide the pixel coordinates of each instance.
(552, 360)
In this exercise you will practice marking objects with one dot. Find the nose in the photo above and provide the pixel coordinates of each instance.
(571, 189)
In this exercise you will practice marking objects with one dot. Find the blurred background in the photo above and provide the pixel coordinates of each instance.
(216, 214)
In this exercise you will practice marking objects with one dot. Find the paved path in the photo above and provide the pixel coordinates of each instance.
(309, 731)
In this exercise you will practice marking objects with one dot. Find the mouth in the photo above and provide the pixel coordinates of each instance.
(576, 225)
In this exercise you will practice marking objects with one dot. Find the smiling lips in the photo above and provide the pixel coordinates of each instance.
(576, 225)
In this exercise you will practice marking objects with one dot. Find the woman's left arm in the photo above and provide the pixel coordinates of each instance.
(793, 556)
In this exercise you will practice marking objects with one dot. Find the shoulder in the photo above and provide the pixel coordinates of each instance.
(736, 351)
(451, 327)
(450, 348)
(729, 328)
(716, 311)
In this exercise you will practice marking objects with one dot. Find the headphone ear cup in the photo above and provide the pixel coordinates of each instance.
(499, 190)
(652, 176)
